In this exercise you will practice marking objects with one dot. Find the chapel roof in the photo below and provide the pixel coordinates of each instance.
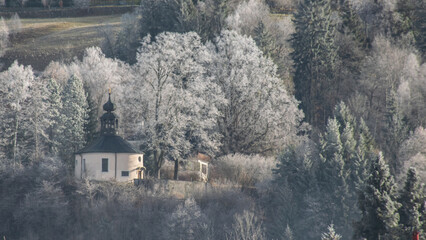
(109, 144)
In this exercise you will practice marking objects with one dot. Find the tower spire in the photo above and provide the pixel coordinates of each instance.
(109, 121)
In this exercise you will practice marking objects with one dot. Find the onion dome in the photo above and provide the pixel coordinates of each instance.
(109, 106)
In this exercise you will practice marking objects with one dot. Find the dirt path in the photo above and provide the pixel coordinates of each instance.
(57, 39)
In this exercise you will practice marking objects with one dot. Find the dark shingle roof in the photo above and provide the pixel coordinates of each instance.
(109, 144)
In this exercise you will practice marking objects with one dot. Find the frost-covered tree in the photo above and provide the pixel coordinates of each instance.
(100, 73)
(15, 24)
(247, 226)
(412, 200)
(395, 132)
(333, 178)
(4, 37)
(14, 93)
(74, 112)
(54, 114)
(383, 70)
(39, 120)
(330, 234)
(412, 91)
(377, 201)
(288, 234)
(272, 35)
(247, 170)
(413, 154)
(173, 101)
(247, 16)
(377, 17)
(260, 116)
(186, 222)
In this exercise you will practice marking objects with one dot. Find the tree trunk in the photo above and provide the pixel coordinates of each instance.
(175, 175)
(158, 158)
(15, 140)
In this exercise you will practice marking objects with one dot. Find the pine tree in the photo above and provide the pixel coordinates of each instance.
(396, 131)
(91, 125)
(288, 234)
(364, 152)
(55, 116)
(75, 117)
(315, 57)
(332, 177)
(412, 208)
(38, 121)
(378, 205)
(294, 177)
(353, 22)
(264, 40)
(330, 234)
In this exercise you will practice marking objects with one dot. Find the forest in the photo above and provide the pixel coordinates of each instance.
(312, 110)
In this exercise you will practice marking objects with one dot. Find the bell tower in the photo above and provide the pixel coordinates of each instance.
(109, 121)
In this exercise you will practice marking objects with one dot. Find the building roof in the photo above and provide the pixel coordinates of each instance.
(109, 144)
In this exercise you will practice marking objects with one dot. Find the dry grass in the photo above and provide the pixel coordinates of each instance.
(56, 39)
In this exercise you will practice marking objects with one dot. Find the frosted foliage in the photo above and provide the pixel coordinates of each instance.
(412, 91)
(15, 84)
(413, 154)
(247, 16)
(247, 226)
(261, 116)
(386, 68)
(247, 170)
(4, 37)
(100, 73)
(57, 71)
(15, 25)
(330, 234)
(186, 222)
(172, 99)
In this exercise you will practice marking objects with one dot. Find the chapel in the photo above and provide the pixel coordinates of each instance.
(109, 157)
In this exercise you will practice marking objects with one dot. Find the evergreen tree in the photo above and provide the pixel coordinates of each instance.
(353, 22)
(396, 131)
(364, 152)
(330, 234)
(314, 58)
(412, 209)
(378, 205)
(91, 125)
(36, 135)
(75, 117)
(288, 234)
(332, 178)
(294, 178)
(264, 40)
(55, 117)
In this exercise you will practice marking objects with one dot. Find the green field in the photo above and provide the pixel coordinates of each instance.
(56, 39)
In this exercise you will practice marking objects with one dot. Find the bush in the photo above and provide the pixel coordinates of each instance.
(247, 170)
